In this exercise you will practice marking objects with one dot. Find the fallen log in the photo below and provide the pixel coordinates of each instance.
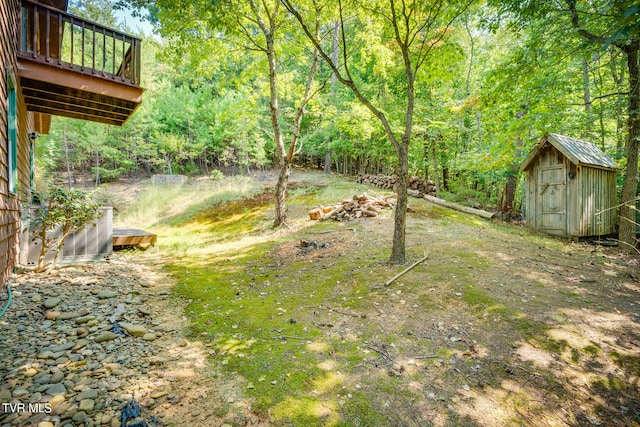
(451, 205)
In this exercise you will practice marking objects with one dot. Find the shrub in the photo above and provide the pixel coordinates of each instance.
(63, 210)
(216, 175)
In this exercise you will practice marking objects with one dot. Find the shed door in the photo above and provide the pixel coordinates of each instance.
(552, 203)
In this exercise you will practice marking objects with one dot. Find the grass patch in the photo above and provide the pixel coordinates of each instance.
(157, 203)
(592, 350)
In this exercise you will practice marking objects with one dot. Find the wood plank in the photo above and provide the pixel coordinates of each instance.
(72, 79)
(52, 90)
(133, 237)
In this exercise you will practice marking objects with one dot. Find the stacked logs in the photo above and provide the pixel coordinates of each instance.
(364, 205)
(388, 182)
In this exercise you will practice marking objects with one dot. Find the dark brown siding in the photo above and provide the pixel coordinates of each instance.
(10, 204)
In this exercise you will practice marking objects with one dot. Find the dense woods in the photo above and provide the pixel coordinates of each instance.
(452, 92)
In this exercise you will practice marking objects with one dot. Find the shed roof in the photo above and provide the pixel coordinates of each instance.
(577, 151)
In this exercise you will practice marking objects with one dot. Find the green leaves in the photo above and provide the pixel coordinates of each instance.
(62, 211)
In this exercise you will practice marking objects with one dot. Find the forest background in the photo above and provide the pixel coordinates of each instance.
(498, 77)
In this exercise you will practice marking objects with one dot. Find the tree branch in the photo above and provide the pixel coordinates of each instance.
(575, 21)
(347, 81)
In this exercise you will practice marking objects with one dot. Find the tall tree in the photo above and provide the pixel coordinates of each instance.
(266, 16)
(415, 28)
(256, 26)
(617, 23)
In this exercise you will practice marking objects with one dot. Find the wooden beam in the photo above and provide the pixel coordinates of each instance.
(76, 115)
(79, 106)
(29, 69)
(132, 237)
(42, 123)
(46, 91)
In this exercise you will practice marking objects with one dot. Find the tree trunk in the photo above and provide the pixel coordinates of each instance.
(97, 168)
(508, 196)
(471, 56)
(425, 157)
(618, 85)
(434, 159)
(281, 194)
(479, 130)
(334, 58)
(509, 191)
(398, 255)
(586, 96)
(629, 190)
(586, 86)
(327, 162)
(167, 159)
(66, 154)
(44, 248)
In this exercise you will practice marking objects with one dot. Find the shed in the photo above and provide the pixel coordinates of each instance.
(570, 188)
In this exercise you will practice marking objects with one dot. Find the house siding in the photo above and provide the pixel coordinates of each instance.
(10, 204)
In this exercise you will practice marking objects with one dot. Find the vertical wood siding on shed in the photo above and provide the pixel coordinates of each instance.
(10, 204)
(596, 195)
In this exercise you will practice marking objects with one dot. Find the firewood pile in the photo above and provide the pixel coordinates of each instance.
(388, 182)
(364, 205)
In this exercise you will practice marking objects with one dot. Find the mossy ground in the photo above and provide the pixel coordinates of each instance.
(500, 326)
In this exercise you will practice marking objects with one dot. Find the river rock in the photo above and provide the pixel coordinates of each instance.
(56, 400)
(52, 302)
(135, 330)
(106, 294)
(55, 389)
(5, 396)
(84, 319)
(19, 393)
(69, 315)
(87, 394)
(50, 315)
(56, 377)
(87, 405)
(30, 372)
(106, 336)
(69, 357)
(79, 417)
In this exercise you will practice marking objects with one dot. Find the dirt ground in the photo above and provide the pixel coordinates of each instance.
(499, 326)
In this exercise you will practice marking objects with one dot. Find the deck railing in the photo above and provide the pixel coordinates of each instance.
(54, 37)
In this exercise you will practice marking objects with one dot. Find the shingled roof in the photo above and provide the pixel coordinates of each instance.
(577, 151)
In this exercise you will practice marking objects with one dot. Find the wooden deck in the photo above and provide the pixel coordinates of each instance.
(133, 237)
